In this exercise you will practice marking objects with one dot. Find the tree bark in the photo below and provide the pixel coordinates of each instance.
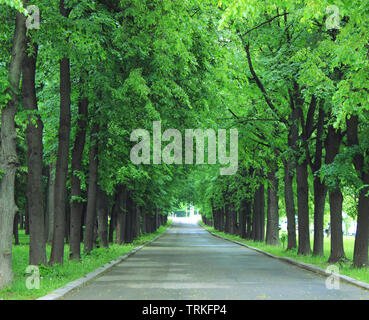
(227, 213)
(137, 232)
(290, 206)
(320, 192)
(57, 251)
(234, 216)
(121, 214)
(320, 189)
(221, 218)
(258, 225)
(242, 218)
(303, 208)
(335, 204)
(92, 191)
(15, 229)
(26, 222)
(130, 218)
(50, 203)
(102, 217)
(272, 232)
(76, 204)
(362, 231)
(35, 199)
(8, 156)
(113, 219)
(332, 146)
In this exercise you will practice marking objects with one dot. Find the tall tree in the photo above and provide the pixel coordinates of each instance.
(34, 160)
(57, 251)
(8, 156)
(76, 192)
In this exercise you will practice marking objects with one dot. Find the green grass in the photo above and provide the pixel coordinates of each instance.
(56, 276)
(344, 268)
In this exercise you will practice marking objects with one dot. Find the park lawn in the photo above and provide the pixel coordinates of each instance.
(344, 268)
(56, 276)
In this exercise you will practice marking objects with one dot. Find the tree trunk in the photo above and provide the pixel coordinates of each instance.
(143, 221)
(290, 206)
(121, 214)
(67, 220)
(248, 222)
(26, 222)
(76, 192)
(234, 216)
(50, 203)
(320, 192)
(259, 214)
(272, 233)
(57, 250)
(8, 156)
(113, 219)
(21, 221)
(15, 229)
(332, 146)
(243, 214)
(102, 217)
(130, 218)
(320, 189)
(35, 199)
(362, 231)
(227, 213)
(92, 191)
(137, 221)
(335, 204)
(303, 208)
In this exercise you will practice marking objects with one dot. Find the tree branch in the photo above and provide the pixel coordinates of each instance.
(265, 22)
(260, 85)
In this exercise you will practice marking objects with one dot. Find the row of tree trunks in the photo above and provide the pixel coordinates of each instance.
(207, 221)
(129, 220)
(218, 218)
(252, 228)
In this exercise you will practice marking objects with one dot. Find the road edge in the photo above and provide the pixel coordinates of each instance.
(61, 292)
(302, 265)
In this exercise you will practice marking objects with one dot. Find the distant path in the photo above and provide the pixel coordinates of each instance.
(189, 263)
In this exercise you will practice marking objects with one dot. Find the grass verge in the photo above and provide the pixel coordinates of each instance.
(56, 276)
(319, 261)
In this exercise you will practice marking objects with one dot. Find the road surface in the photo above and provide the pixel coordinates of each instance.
(187, 263)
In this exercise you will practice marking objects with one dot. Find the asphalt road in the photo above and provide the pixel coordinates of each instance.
(187, 263)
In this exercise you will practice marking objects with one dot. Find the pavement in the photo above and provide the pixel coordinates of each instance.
(188, 263)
